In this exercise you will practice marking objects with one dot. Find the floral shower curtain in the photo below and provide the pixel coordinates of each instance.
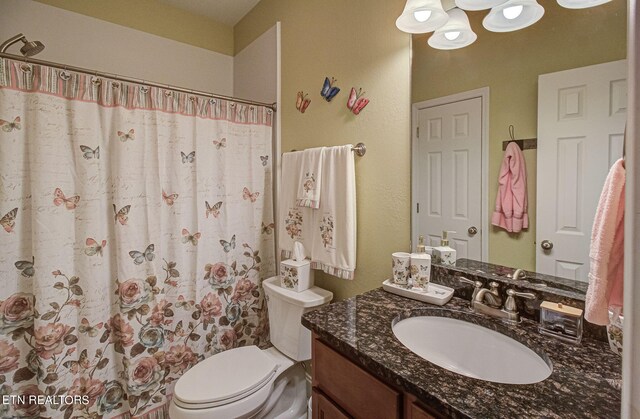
(136, 230)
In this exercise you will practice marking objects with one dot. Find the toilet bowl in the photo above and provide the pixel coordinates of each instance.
(248, 382)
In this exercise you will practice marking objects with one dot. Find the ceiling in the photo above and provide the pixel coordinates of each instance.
(228, 12)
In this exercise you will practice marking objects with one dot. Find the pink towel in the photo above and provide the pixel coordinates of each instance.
(511, 202)
(606, 274)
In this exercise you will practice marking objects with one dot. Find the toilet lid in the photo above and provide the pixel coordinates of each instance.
(229, 375)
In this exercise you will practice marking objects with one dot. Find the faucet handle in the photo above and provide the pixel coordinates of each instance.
(476, 283)
(510, 303)
(477, 286)
(528, 295)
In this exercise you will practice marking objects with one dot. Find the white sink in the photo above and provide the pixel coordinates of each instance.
(471, 350)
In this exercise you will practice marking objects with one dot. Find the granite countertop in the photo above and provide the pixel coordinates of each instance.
(582, 384)
(534, 280)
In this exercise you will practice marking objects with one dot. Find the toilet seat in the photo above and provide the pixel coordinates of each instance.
(225, 378)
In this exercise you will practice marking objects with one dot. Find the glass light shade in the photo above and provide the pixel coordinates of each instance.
(581, 4)
(456, 33)
(497, 20)
(452, 35)
(512, 12)
(422, 15)
(411, 19)
(478, 4)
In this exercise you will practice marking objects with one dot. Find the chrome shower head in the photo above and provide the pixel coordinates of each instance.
(28, 49)
(31, 48)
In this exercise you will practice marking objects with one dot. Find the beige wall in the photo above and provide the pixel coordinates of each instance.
(87, 42)
(356, 42)
(157, 18)
(510, 64)
(255, 69)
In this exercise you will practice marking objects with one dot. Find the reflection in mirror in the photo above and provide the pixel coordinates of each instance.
(561, 82)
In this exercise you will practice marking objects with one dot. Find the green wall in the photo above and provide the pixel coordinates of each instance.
(157, 18)
(357, 43)
(509, 64)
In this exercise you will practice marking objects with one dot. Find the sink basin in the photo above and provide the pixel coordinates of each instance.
(471, 350)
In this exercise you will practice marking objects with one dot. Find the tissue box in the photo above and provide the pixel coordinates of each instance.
(296, 275)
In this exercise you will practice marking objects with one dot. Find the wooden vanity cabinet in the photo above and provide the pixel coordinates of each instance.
(324, 408)
(342, 389)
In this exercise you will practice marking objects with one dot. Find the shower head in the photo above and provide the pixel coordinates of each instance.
(31, 48)
(28, 49)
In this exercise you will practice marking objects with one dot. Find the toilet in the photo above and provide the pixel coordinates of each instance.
(248, 382)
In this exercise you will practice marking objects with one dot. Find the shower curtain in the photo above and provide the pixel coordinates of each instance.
(136, 230)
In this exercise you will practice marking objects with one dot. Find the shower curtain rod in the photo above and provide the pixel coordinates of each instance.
(125, 79)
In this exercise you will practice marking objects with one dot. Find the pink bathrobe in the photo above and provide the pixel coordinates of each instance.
(511, 202)
(606, 274)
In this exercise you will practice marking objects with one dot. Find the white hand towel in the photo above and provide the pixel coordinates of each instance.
(294, 223)
(333, 247)
(310, 183)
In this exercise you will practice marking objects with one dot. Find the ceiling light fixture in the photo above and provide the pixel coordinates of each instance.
(581, 4)
(456, 33)
(421, 16)
(452, 29)
(513, 15)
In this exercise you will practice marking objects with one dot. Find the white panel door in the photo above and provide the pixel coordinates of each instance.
(449, 175)
(581, 121)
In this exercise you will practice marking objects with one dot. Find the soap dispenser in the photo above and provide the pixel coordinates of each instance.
(421, 248)
(444, 254)
(420, 266)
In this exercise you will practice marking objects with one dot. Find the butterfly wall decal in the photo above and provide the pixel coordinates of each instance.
(10, 126)
(169, 199)
(228, 245)
(267, 228)
(302, 102)
(246, 194)
(26, 267)
(356, 101)
(213, 210)
(59, 199)
(89, 153)
(139, 257)
(85, 327)
(188, 237)
(121, 216)
(8, 221)
(188, 158)
(220, 143)
(329, 91)
(264, 160)
(93, 247)
(124, 136)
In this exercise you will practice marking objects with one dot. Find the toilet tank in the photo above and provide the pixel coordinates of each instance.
(286, 308)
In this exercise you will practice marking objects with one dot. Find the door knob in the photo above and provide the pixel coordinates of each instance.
(472, 231)
(546, 245)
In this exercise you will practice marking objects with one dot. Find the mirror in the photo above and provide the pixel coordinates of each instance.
(547, 81)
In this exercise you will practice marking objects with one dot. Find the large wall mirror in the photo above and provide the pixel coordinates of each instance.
(562, 82)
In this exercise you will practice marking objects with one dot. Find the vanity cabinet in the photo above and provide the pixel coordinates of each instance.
(342, 389)
(324, 408)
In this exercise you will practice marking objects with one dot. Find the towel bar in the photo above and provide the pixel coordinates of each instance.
(359, 148)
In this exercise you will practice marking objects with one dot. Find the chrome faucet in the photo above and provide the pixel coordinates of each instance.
(519, 274)
(487, 301)
(491, 296)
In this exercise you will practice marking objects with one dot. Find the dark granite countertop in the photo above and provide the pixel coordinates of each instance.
(537, 281)
(582, 384)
